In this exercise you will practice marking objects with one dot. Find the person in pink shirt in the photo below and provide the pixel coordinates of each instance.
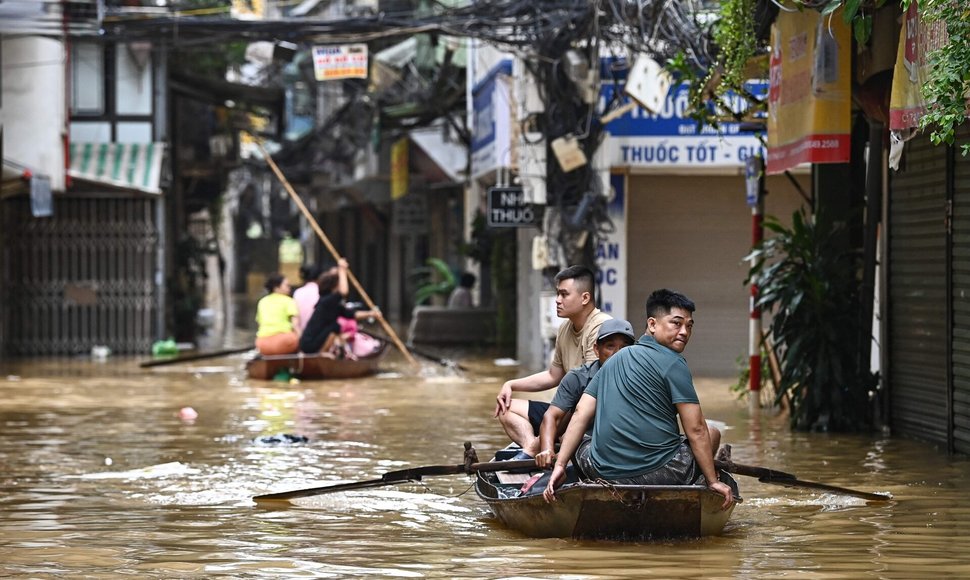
(306, 296)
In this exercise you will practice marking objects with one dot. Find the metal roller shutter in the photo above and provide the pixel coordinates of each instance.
(690, 234)
(960, 306)
(917, 294)
(84, 277)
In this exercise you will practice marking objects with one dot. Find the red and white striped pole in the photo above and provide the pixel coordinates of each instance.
(754, 184)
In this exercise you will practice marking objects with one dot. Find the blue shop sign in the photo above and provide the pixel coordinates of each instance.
(669, 139)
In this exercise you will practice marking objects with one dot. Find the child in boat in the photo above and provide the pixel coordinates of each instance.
(277, 317)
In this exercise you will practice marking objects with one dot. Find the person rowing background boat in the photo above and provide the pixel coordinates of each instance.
(323, 331)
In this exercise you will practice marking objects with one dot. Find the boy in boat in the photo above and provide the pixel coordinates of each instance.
(614, 334)
(575, 302)
(636, 399)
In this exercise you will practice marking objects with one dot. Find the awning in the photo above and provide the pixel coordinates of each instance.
(128, 165)
(449, 158)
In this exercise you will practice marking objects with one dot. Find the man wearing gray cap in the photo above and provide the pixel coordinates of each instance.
(614, 334)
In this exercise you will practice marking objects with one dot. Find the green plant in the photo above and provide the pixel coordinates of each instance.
(808, 281)
(743, 386)
(503, 268)
(947, 86)
(479, 248)
(737, 41)
(438, 279)
(186, 285)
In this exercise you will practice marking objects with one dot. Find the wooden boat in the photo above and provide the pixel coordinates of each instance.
(318, 366)
(596, 511)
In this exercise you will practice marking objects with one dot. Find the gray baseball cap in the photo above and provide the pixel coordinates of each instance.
(616, 326)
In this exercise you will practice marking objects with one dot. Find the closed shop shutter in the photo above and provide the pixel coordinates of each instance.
(84, 277)
(960, 279)
(690, 234)
(917, 294)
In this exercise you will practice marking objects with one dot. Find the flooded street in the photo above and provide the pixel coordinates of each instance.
(103, 478)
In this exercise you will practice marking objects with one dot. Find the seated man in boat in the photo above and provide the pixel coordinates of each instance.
(322, 332)
(636, 399)
(614, 334)
(575, 301)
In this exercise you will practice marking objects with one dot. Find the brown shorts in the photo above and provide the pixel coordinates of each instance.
(680, 470)
(282, 343)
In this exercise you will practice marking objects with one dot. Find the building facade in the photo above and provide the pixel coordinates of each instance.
(82, 205)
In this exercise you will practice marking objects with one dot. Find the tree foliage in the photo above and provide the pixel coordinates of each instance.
(947, 87)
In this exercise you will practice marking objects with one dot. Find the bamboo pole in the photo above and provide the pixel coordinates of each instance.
(336, 255)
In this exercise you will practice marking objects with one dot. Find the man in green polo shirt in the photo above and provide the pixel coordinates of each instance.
(636, 399)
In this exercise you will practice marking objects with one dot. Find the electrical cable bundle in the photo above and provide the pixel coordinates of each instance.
(540, 32)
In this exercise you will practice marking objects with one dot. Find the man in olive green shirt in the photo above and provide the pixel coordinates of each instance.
(575, 301)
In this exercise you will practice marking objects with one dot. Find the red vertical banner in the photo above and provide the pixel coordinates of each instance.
(906, 105)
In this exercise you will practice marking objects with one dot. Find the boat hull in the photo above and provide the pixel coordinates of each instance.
(619, 512)
(315, 366)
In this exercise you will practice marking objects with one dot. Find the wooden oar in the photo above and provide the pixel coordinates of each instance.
(192, 357)
(400, 476)
(774, 477)
(425, 354)
(336, 255)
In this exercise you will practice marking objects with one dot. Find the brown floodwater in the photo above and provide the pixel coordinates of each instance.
(103, 478)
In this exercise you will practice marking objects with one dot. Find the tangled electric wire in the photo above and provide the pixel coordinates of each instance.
(540, 32)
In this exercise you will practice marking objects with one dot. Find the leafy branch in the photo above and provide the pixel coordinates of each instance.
(947, 86)
(946, 89)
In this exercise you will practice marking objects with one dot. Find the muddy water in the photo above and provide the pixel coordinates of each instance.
(102, 478)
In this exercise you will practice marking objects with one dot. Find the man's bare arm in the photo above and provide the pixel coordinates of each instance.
(540, 381)
(696, 430)
(582, 416)
(547, 436)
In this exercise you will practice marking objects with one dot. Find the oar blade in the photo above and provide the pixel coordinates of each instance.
(285, 496)
(792, 482)
(193, 357)
(774, 477)
(391, 477)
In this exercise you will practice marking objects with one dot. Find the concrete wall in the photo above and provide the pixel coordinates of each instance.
(530, 344)
(34, 105)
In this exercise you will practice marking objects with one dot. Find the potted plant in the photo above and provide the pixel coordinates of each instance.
(809, 284)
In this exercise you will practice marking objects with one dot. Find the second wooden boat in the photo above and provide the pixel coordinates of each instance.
(318, 366)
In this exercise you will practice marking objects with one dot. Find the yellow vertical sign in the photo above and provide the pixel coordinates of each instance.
(809, 98)
(247, 9)
(399, 168)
